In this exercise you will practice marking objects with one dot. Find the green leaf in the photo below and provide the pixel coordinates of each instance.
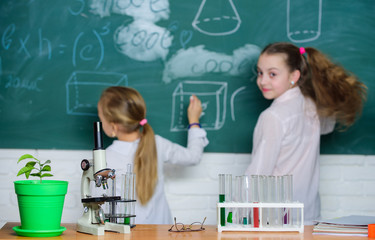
(25, 170)
(48, 161)
(46, 175)
(30, 164)
(26, 156)
(46, 168)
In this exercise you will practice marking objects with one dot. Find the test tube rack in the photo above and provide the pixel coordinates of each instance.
(119, 217)
(296, 226)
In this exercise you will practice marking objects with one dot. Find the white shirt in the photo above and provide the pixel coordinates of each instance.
(286, 140)
(121, 153)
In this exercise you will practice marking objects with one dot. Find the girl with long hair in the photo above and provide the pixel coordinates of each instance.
(122, 112)
(310, 95)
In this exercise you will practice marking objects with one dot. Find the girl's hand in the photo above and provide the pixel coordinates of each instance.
(194, 110)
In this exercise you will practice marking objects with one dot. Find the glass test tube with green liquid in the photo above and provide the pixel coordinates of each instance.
(225, 195)
(222, 197)
(228, 196)
(244, 189)
(129, 194)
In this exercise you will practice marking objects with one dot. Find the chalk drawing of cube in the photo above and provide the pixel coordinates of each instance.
(213, 96)
(83, 90)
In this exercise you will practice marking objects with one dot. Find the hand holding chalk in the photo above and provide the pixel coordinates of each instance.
(194, 109)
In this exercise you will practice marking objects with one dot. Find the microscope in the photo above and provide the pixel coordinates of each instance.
(93, 220)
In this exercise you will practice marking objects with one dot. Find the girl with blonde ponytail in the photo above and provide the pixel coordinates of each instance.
(310, 95)
(122, 112)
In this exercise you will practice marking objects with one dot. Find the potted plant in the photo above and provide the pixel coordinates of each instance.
(40, 202)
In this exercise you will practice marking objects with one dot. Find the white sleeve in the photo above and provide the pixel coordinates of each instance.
(327, 125)
(267, 139)
(190, 155)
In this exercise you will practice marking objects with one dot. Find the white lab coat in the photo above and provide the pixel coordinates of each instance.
(286, 140)
(121, 153)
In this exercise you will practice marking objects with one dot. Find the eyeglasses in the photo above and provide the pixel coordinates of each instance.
(180, 227)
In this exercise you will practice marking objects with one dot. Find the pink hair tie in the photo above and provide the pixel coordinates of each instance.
(143, 122)
(302, 50)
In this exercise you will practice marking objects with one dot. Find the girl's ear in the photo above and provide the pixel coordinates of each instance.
(294, 76)
(114, 129)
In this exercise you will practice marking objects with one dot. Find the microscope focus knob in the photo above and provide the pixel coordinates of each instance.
(112, 173)
(85, 164)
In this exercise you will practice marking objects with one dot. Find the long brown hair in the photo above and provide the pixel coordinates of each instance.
(126, 107)
(336, 92)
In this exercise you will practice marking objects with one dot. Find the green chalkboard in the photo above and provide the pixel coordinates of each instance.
(57, 56)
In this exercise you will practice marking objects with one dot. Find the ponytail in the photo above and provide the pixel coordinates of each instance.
(145, 165)
(336, 92)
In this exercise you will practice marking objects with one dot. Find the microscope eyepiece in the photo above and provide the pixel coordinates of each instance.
(98, 137)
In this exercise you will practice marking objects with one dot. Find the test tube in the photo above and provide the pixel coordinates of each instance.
(222, 197)
(122, 206)
(272, 198)
(225, 195)
(132, 196)
(228, 196)
(127, 183)
(279, 199)
(255, 199)
(263, 190)
(111, 191)
(128, 190)
(245, 194)
(288, 198)
(236, 198)
(123, 187)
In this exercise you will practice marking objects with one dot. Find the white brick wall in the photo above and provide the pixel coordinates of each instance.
(347, 183)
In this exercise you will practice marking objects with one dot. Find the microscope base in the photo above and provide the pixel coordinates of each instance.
(94, 229)
(98, 229)
(85, 224)
(115, 227)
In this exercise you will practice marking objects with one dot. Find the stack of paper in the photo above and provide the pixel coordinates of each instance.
(349, 225)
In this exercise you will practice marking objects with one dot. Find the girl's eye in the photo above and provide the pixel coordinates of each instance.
(260, 73)
(272, 74)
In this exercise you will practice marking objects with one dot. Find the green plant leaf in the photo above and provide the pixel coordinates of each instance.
(46, 175)
(25, 170)
(46, 162)
(42, 167)
(46, 168)
(26, 156)
(30, 164)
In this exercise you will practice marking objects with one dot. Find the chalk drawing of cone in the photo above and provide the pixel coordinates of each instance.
(217, 21)
(304, 19)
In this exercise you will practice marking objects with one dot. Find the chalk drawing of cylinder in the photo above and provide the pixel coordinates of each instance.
(213, 96)
(217, 21)
(304, 18)
(84, 88)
